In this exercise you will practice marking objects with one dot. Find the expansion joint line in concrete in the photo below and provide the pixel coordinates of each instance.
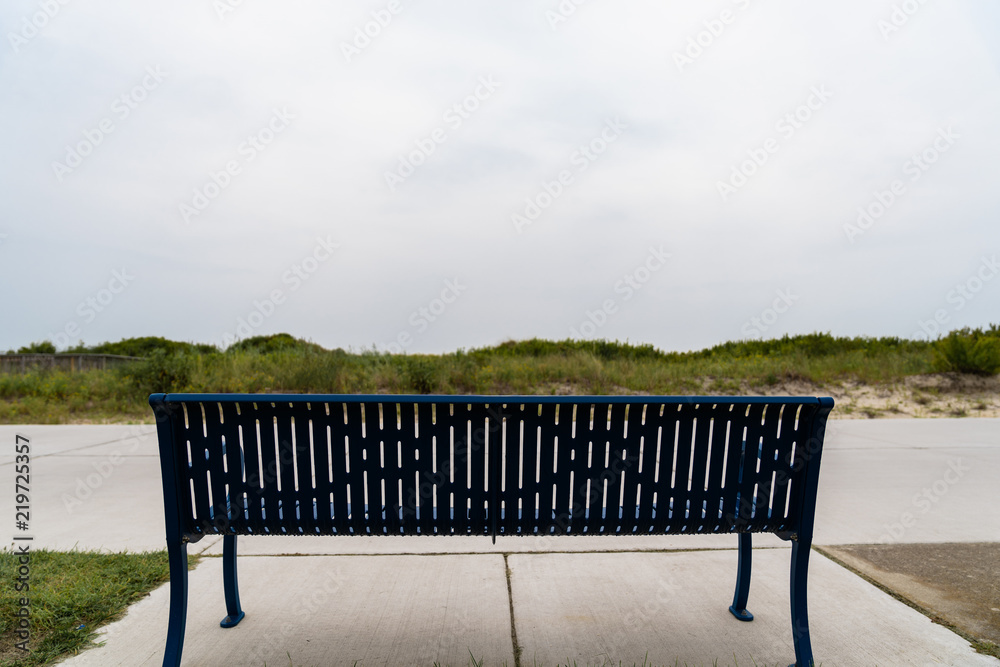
(513, 628)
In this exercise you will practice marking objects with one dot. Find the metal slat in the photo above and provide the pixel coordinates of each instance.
(229, 428)
(429, 475)
(473, 450)
(408, 463)
(271, 479)
(616, 470)
(582, 447)
(751, 487)
(536, 427)
(371, 470)
(783, 470)
(716, 493)
(629, 464)
(439, 429)
(568, 509)
(388, 467)
(735, 425)
(455, 492)
(554, 476)
(459, 444)
(285, 455)
(217, 453)
(663, 487)
(451, 509)
(198, 470)
(354, 447)
(321, 450)
(648, 428)
(587, 443)
(507, 473)
(306, 499)
(255, 503)
(770, 452)
(680, 495)
(804, 456)
(476, 449)
(598, 451)
(332, 420)
(789, 434)
(698, 496)
(470, 423)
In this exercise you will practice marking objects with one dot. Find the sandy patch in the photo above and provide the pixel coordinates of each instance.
(925, 396)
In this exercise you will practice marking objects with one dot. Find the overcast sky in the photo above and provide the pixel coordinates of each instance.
(424, 176)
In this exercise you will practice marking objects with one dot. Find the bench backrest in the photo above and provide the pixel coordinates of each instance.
(487, 465)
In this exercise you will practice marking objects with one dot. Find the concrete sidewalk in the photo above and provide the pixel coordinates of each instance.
(382, 601)
(583, 608)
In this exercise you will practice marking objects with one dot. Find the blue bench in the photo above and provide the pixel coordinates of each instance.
(248, 464)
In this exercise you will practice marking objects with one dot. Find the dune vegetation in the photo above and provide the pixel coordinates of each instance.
(284, 364)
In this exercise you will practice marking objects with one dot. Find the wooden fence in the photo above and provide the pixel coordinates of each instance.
(22, 363)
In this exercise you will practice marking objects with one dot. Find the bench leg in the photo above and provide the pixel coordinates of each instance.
(800, 615)
(739, 607)
(177, 557)
(230, 584)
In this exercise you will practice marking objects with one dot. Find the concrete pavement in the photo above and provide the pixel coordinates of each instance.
(960, 582)
(584, 608)
(378, 601)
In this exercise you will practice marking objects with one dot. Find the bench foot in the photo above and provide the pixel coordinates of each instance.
(232, 621)
(741, 614)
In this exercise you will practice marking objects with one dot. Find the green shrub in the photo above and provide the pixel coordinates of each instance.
(812, 346)
(144, 347)
(422, 374)
(281, 342)
(160, 372)
(602, 349)
(968, 351)
(44, 347)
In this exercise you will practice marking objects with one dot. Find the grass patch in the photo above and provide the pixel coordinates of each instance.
(72, 594)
